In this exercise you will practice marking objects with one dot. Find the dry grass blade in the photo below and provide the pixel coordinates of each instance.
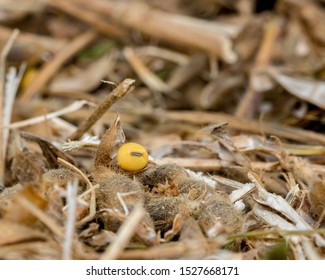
(185, 72)
(251, 99)
(166, 54)
(238, 194)
(33, 41)
(149, 78)
(11, 88)
(72, 189)
(279, 204)
(75, 106)
(87, 78)
(307, 89)
(3, 57)
(124, 234)
(256, 234)
(50, 68)
(123, 89)
(213, 164)
(171, 251)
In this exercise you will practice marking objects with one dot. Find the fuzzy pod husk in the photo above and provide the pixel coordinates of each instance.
(110, 184)
(60, 177)
(216, 208)
(131, 191)
(197, 199)
(164, 209)
(162, 174)
(316, 196)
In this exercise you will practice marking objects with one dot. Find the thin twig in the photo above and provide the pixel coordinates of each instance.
(124, 234)
(123, 89)
(88, 191)
(71, 108)
(92, 209)
(52, 67)
(75, 169)
(3, 57)
(122, 202)
(251, 99)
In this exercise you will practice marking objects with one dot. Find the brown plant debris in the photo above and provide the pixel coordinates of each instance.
(177, 129)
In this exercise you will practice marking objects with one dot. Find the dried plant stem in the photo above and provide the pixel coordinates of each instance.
(256, 234)
(38, 213)
(52, 67)
(251, 99)
(75, 169)
(276, 129)
(178, 250)
(85, 193)
(205, 118)
(34, 41)
(92, 206)
(170, 55)
(146, 75)
(198, 164)
(123, 89)
(178, 29)
(89, 17)
(12, 83)
(72, 189)
(215, 164)
(3, 57)
(124, 234)
(122, 202)
(71, 108)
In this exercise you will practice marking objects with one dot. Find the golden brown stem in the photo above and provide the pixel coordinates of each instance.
(123, 89)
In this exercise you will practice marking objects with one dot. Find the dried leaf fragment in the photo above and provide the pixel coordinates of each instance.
(12, 233)
(17, 213)
(310, 90)
(28, 167)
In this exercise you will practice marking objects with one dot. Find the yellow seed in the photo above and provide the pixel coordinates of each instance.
(132, 157)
